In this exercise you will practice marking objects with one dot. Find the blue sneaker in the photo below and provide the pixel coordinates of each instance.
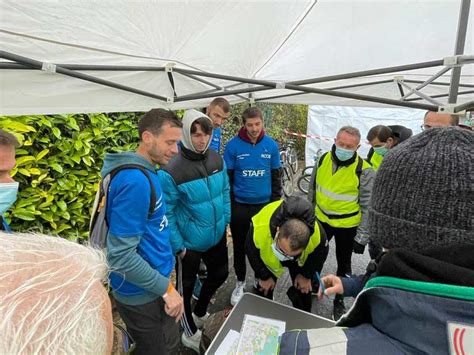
(197, 288)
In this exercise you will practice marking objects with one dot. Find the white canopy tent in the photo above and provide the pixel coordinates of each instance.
(103, 56)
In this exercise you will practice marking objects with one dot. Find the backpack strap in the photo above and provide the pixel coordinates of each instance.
(370, 155)
(360, 163)
(321, 158)
(114, 172)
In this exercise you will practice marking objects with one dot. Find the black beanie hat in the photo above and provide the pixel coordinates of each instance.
(423, 194)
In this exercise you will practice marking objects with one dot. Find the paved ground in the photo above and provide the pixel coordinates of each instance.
(322, 308)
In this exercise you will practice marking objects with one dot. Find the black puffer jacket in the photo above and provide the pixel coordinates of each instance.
(292, 207)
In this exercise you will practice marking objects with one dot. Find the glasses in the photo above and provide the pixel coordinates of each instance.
(281, 251)
(128, 343)
(424, 127)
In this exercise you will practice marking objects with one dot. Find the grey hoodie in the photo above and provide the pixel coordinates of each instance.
(189, 117)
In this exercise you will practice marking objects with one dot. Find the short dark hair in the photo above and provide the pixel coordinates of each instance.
(205, 123)
(296, 231)
(251, 112)
(154, 120)
(8, 139)
(222, 103)
(381, 132)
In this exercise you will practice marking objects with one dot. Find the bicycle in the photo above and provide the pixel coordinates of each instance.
(305, 178)
(289, 165)
(288, 154)
(287, 178)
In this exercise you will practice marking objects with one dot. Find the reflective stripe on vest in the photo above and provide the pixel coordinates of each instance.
(337, 195)
(375, 160)
(263, 239)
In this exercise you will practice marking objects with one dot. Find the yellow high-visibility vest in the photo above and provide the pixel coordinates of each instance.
(263, 239)
(375, 160)
(337, 195)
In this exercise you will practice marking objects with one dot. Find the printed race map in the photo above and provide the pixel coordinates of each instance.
(260, 335)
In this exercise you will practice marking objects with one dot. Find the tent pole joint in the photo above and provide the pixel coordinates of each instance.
(48, 67)
(448, 108)
(453, 61)
(169, 67)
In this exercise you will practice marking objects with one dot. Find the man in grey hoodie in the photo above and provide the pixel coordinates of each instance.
(138, 242)
(196, 189)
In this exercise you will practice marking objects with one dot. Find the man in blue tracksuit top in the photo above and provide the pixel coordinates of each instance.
(138, 246)
(218, 111)
(196, 189)
(253, 165)
(8, 186)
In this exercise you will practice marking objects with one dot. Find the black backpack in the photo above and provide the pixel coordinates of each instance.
(99, 226)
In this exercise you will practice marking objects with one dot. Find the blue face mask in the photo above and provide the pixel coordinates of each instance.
(8, 192)
(381, 150)
(344, 154)
(280, 256)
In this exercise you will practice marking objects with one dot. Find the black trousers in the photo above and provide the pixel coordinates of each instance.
(217, 265)
(344, 244)
(153, 330)
(239, 225)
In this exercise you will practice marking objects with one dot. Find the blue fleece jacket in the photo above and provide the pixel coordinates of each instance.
(252, 165)
(138, 247)
(216, 139)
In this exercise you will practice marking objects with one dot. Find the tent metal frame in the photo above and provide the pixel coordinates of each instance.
(453, 63)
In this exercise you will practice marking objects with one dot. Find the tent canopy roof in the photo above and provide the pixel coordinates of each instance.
(274, 41)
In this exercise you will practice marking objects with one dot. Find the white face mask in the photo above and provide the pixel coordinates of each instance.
(8, 193)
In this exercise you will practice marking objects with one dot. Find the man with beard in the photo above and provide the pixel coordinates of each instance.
(253, 164)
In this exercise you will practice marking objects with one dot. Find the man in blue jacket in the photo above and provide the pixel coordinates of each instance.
(196, 189)
(253, 165)
(138, 243)
(218, 111)
(8, 186)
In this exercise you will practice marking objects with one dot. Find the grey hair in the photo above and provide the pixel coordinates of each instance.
(350, 130)
(52, 299)
(8, 139)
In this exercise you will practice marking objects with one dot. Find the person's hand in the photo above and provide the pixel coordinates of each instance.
(266, 285)
(332, 284)
(182, 254)
(358, 248)
(303, 284)
(174, 306)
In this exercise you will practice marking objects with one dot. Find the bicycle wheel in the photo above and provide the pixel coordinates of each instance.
(307, 171)
(293, 159)
(303, 183)
(287, 180)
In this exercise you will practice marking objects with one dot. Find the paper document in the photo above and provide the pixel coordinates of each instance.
(260, 335)
(229, 344)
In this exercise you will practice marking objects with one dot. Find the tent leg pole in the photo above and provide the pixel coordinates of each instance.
(459, 50)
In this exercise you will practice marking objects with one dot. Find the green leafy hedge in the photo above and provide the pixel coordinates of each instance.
(59, 161)
(58, 167)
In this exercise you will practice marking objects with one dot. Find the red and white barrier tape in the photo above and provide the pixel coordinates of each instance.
(302, 135)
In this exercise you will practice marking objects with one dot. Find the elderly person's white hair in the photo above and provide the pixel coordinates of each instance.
(51, 297)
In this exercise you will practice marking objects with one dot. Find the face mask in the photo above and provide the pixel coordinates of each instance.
(344, 154)
(8, 192)
(381, 150)
(280, 256)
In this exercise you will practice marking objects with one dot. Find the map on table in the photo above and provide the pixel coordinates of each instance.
(260, 335)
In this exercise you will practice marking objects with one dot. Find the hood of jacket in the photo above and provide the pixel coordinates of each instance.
(189, 117)
(293, 207)
(114, 160)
